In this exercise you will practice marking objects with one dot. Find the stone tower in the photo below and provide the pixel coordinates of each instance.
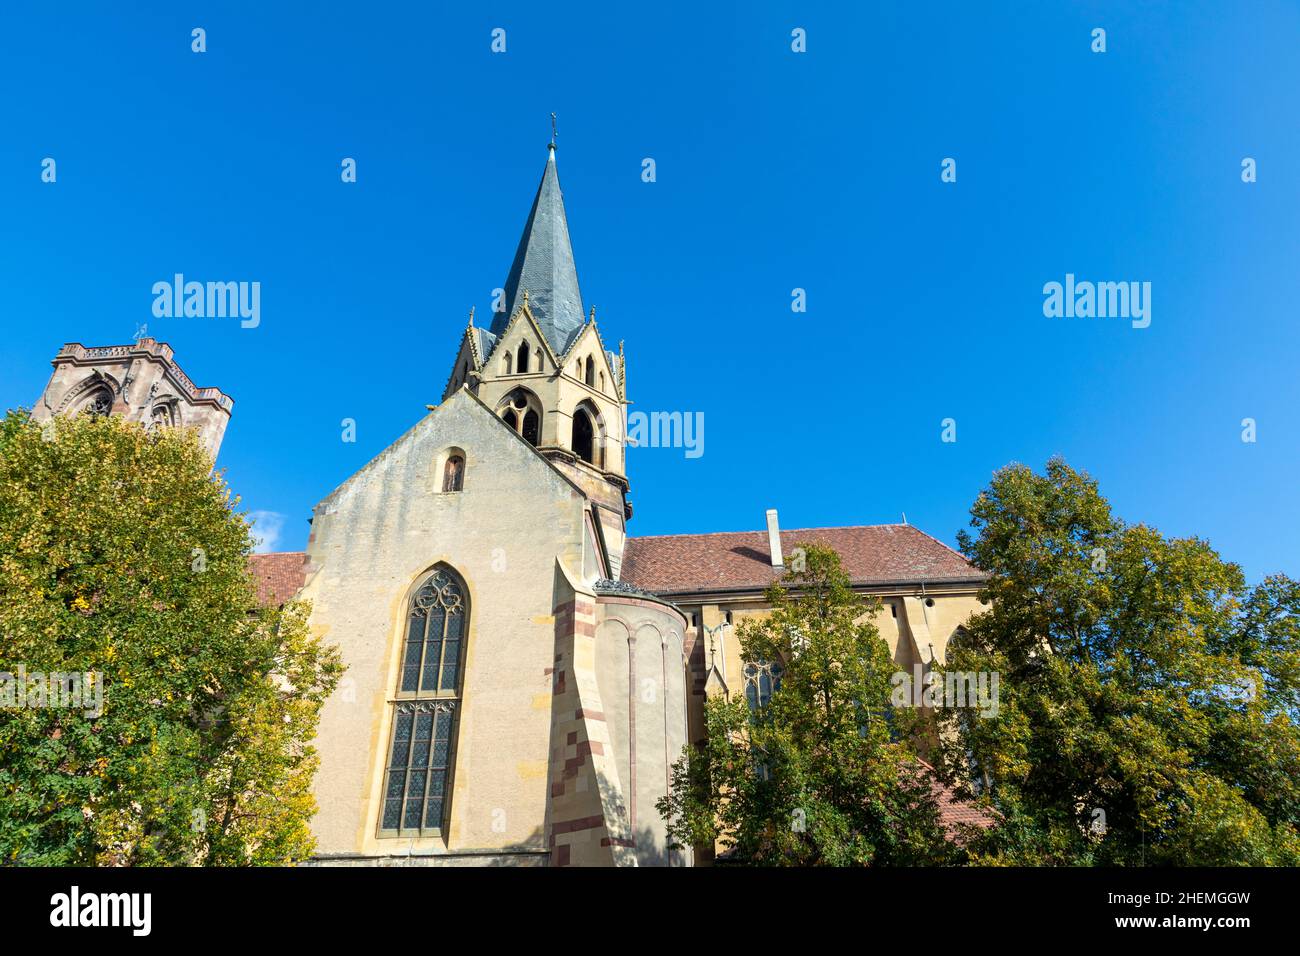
(543, 368)
(141, 383)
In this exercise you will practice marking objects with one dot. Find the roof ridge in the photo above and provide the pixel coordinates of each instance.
(942, 544)
(274, 554)
(762, 531)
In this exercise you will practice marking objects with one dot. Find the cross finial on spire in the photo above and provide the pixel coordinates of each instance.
(553, 133)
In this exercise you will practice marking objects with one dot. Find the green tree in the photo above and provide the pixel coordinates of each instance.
(814, 776)
(1148, 697)
(121, 555)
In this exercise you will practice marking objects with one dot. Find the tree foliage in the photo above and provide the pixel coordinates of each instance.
(814, 777)
(1148, 696)
(121, 554)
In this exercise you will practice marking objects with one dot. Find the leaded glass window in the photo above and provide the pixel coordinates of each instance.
(417, 782)
(416, 788)
(761, 681)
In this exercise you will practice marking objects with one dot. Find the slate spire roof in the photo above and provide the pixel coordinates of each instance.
(544, 267)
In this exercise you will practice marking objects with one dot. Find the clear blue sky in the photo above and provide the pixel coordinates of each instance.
(775, 170)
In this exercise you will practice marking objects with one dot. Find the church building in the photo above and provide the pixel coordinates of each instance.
(521, 674)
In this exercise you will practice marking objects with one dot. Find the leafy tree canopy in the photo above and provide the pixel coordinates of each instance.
(814, 776)
(121, 555)
(1148, 697)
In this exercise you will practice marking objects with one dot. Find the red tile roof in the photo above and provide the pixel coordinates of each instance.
(954, 813)
(724, 561)
(278, 575)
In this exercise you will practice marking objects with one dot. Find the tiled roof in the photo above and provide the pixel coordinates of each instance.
(279, 576)
(872, 554)
(954, 813)
(486, 343)
(544, 268)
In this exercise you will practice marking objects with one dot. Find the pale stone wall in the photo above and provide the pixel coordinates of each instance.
(142, 381)
(373, 542)
(641, 673)
(560, 390)
(911, 622)
(618, 721)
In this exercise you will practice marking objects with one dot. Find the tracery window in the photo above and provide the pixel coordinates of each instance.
(99, 404)
(762, 680)
(417, 780)
(522, 412)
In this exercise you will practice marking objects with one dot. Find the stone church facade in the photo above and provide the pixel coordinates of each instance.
(521, 672)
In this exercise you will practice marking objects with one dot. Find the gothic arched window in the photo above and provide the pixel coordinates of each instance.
(163, 415)
(523, 412)
(508, 360)
(453, 473)
(761, 681)
(591, 372)
(532, 428)
(98, 404)
(583, 437)
(523, 358)
(417, 780)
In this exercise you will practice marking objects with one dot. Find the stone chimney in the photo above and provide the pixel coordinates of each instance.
(774, 539)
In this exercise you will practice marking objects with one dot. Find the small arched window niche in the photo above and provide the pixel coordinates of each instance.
(523, 358)
(591, 372)
(453, 473)
(422, 741)
(522, 411)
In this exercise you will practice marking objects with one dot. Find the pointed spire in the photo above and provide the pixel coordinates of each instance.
(544, 266)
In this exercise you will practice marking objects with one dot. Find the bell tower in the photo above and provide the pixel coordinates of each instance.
(543, 367)
(139, 382)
